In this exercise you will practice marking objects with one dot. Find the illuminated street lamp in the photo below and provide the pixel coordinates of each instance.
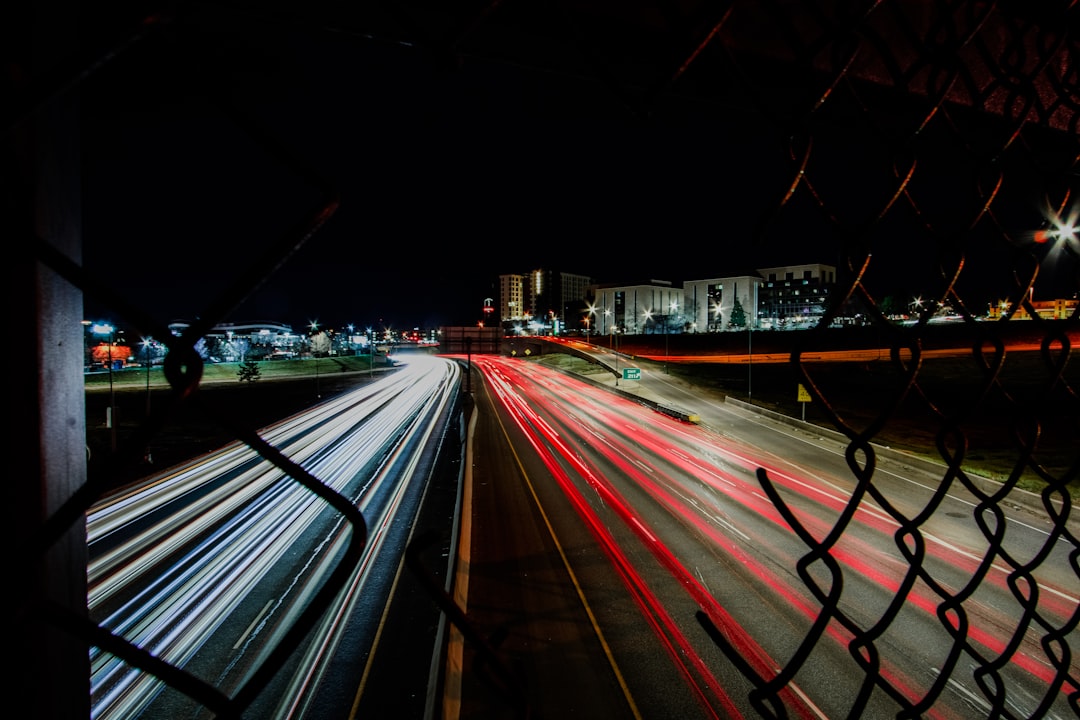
(592, 314)
(1061, 231)
(1061, 238)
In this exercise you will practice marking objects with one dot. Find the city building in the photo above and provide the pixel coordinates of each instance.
(647, 307)
(542, 301)
(512, 308)
(793, 297)
(1059, 309)
(235, 342)
(719, 304)
(783, 297)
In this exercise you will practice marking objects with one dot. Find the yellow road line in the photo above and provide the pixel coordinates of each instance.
(573, 577)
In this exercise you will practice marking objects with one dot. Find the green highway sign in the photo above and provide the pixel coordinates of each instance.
(631, 374)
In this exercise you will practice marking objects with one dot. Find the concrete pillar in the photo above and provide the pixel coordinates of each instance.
(40, 176)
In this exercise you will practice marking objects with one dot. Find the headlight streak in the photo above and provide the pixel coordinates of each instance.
(253, 520)
(866, 562)
(328, 635)
(115, 511)
(309, 498)
(111, 570)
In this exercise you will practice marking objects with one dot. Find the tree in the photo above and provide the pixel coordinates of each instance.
(892, 306)
(248, 371)
(738, 315)
(320, 344)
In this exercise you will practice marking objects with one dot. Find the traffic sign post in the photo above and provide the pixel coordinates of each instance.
(803, 397)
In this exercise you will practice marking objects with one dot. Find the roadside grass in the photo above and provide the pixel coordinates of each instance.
(135, 377)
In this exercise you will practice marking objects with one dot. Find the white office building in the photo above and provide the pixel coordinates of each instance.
(714, 304)
(655, 306)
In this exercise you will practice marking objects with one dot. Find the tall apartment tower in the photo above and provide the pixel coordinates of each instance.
(545, 296)
(512, 306)
(557, 295)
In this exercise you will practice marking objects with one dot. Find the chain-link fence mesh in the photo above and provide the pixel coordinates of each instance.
(952, 123)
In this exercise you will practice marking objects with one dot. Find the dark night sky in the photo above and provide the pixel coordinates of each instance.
(447, 178)
(439, 195)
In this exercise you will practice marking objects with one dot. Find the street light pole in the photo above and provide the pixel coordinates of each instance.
(112, 398)
(667, 321)
(112, 395)
(99, 329)
(146, 352)
(750, 320)
(749, 360)
(315, 352)
(616, 360)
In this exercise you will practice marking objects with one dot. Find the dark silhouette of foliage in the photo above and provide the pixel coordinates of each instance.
(248, 371)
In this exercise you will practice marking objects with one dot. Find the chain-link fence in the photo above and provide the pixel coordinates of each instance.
(954, 125)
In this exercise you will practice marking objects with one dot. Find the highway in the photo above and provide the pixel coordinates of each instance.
(612, 561)
(211, 565)
(737, 566)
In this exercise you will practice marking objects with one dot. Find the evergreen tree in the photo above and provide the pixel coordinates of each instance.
(248, 370)
(738, 315)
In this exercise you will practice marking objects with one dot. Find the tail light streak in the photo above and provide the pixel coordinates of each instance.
(623, 452)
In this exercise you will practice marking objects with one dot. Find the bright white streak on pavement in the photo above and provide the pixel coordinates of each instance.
(197, 565)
